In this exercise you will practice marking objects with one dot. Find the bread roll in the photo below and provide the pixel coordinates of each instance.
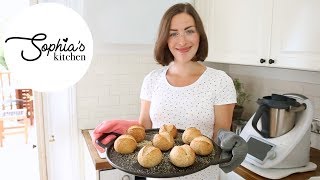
(182, 156)
(164, 141)
(125, 144)
(189, 134)
(201, 145)
(149, 156)
(170, 128)
(138, 132)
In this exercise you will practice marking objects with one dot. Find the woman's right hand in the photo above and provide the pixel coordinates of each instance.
(108, 126)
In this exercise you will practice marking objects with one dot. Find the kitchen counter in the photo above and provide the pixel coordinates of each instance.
(314, 157)
(101, 164)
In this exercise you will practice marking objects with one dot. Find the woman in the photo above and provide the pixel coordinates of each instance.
(184, 92)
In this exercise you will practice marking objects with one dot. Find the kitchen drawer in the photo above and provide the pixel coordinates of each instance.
(115, 174)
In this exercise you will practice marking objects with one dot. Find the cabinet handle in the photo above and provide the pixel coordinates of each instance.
(52, 138)
(262, 61)
(271, 61)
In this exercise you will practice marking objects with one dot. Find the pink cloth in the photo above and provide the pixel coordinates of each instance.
(107, 126)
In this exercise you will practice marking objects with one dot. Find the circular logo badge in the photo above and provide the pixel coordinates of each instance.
(47, 47)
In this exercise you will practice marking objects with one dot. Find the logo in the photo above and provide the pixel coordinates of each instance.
(48, 47)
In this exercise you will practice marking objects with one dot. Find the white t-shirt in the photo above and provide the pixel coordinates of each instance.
(188, 106)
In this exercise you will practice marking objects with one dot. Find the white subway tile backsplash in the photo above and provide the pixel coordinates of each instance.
(126, 69)
(317, 112)
(125, 79)
(108, 100)
(119, 89)
(103, 60)
(134, 90)
(317, 101)
(83, 113)
(111, 88)
(87, 101)
(146, 60)
(119, 111)
(282, 87)
(317, 107)
(102, 112)
(315, 143)
(129, 99)
(313, 89)
(132, 108)
(86, 123)
(129, 60)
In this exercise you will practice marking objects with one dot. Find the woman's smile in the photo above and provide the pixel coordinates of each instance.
(184, 49)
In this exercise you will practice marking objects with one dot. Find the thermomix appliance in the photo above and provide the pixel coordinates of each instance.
(278, 136)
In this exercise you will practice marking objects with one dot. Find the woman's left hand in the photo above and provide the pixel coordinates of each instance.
(229, 141)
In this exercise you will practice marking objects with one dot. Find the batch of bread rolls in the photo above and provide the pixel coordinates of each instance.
(152, 155)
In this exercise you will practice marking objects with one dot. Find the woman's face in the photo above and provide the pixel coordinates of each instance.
(183, 39)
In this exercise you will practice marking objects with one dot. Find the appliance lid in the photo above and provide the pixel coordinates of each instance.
(278, 101)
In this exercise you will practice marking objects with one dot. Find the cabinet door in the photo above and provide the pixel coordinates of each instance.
(238, 31)
(89, 171)
(115, 174)
(296, 34)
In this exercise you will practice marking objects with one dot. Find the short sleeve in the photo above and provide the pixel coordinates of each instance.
(146, 88)
(150, 83)
(226, 93)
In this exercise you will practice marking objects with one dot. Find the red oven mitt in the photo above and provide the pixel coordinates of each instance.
(107, 126)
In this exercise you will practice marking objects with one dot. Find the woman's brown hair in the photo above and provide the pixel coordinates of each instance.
(162, 53)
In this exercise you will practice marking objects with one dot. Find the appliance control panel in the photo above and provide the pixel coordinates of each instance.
(260, 150)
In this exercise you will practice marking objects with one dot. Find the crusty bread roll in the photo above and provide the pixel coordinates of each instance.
(164, 141)
(149, 156)
(138, 132)
(182, 156)
(170, 128)
(202, 145)
(189, 134)
(125, 144)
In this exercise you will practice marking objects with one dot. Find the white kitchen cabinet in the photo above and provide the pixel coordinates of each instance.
(90, 170)
(273, 33)
(125, 22)
(296, 34)
(115, 174)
